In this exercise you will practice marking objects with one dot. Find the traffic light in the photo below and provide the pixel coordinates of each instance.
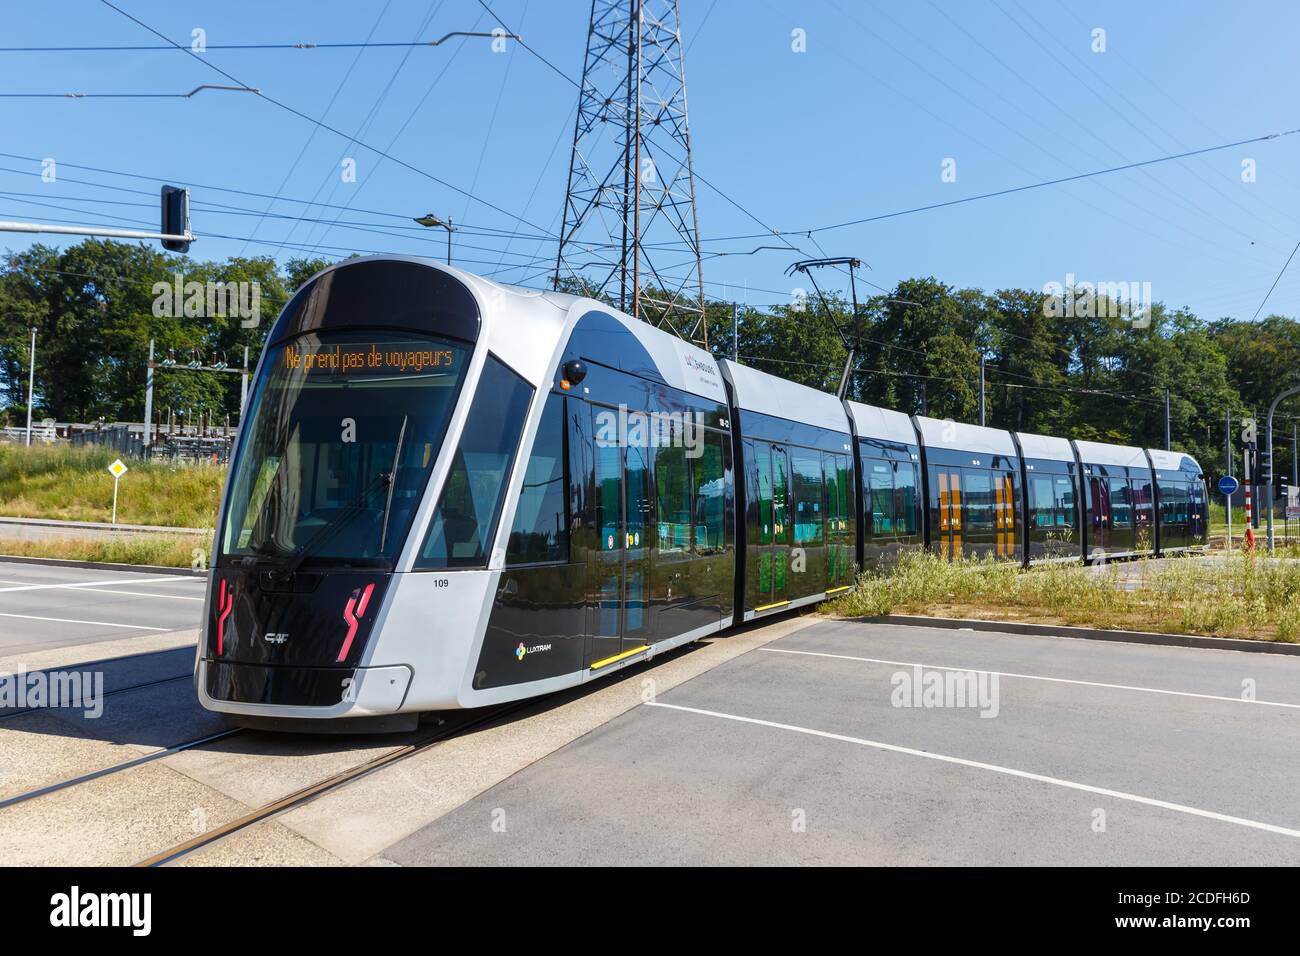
(1265, 462)
(175, 218)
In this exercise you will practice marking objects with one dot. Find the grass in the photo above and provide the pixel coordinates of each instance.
(73, 484)
(164, 551)
(1238, 596)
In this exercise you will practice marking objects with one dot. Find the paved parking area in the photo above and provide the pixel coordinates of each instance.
(45, 606)
(1068, 752)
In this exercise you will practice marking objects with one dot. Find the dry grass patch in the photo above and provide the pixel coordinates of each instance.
(1244, 596)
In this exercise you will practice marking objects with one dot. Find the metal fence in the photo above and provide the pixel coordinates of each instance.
(45, 434)
(178, 445)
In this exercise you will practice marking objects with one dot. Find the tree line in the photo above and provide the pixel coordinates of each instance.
(1085, 373)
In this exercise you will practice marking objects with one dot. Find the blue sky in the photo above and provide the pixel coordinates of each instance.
(857, 126)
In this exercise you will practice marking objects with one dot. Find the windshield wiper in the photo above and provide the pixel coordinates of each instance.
(392, 483)
(341, 520)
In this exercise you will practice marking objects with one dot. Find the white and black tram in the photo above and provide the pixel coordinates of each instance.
(450, 493)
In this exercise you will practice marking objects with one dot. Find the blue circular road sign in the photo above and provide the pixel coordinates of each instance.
(1227, 485)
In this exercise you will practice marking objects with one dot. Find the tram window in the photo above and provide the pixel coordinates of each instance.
(1064, 501)
(1121, 504)
(710, 488)
(808, 498)
(540, 532)
(1044, 502)
(673, 487)
(977, 491)
(463, 524)
(905, 497)
(880, 481)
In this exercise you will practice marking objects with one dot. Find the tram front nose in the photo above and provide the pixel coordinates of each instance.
(293, 639)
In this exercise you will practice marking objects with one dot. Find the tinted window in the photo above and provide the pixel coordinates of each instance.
(977, 487)
(710, 493)
(808, 498)
(342, 432)
(1121, 506)
(673, 491)
(880, 497)
(905, 497)
(540, 531)
(467, 512)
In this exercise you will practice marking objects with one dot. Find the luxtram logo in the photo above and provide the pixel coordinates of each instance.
(73, 909)
(520, 651)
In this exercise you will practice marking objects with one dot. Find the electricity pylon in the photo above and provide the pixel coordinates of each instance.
(631, 233)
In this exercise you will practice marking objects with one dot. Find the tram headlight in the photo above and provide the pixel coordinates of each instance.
(572, 373)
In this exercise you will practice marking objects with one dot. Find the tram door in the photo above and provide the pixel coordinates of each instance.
(621, 565)
(773, 524)
(949, 539)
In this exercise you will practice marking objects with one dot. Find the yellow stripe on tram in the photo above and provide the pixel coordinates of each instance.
(619, 657)
(842, 587)
(768, 607)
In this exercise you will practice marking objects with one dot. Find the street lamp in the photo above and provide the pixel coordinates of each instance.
(31, 387)
(430, 221)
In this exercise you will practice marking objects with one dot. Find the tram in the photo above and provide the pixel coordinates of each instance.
(450, 493)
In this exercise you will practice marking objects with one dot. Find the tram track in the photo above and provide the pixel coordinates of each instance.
(305, 795)
(118, 767)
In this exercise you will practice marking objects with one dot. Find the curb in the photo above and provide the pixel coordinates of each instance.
(101, 565)
(1085, 633)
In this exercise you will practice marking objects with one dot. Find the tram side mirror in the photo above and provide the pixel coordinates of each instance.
(572, 373)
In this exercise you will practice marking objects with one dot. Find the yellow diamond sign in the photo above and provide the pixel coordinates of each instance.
(117, 469)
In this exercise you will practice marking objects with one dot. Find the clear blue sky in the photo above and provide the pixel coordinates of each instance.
(857, 126)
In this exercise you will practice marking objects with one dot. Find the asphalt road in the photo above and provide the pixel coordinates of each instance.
(44, 606)
(1091, 753)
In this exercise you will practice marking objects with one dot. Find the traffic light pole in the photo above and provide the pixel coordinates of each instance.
(174, 225)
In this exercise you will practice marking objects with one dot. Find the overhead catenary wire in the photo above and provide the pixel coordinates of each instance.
(299, 113)
(366, 44)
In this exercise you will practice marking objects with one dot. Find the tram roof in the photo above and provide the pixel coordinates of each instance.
(766, 394)
(1047, 447)
(1173, 460)
(942, 433)
(1100, 453)
(882, 423)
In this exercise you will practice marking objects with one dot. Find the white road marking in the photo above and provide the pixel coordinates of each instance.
(85, 584)
(65, 620)
(148, 594)
(995, 768)
(1054, 680)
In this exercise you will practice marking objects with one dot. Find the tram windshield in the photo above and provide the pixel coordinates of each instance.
(343, 430)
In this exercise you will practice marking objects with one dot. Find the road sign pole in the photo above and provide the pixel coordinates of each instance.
(1228, 485)
(117, 470)
(1228, 499)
